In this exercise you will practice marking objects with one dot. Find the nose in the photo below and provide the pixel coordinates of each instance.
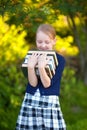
(43, 45)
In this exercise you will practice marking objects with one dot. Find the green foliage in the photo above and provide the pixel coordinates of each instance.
(71, 6)
(28, 15)
(73, 101)
(12, 51)
(10, 99)
(80, 125)
(12, 87)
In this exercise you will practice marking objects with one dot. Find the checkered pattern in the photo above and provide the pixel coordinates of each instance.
(40, 113)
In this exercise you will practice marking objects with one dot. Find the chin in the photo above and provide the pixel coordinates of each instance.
(44, 49)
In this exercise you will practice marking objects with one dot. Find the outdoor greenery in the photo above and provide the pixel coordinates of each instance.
(19, 20)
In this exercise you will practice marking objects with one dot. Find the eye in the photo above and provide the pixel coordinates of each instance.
(39, 41)
(47, 42)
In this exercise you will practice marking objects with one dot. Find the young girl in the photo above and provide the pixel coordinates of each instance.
(41, 108)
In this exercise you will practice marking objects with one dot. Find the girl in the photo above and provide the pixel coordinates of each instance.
(41, 108)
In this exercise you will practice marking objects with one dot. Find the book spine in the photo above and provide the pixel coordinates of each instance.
(55, 58)
(51, 61)
(48, 71)
(51, 67)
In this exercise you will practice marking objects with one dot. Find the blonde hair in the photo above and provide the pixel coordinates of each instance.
(47, 29)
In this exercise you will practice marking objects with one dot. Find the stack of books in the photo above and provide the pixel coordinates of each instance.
(50, 67)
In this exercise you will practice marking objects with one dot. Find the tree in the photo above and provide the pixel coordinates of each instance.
(76, 9)
(30, 13)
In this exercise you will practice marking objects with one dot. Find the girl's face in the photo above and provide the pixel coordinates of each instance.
(44, 42)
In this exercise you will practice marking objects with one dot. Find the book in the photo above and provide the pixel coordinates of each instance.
(50, 67)
(49, 53)
(24, 69)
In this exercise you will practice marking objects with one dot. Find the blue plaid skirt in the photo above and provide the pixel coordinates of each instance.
(40, 113)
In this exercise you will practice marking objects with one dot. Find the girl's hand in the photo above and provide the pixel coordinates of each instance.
(42, 60)
(32, 61)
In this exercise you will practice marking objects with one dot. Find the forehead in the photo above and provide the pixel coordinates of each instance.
(41, 35)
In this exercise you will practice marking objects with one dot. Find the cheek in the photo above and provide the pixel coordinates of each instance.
(50, 46)
(37, 44)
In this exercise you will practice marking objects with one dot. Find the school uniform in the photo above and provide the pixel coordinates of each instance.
(41, 109)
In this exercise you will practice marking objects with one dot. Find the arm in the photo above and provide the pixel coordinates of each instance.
(59, 69)
(32, 78)
(42, 61)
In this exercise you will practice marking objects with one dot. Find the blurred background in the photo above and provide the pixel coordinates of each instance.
(19, 20)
